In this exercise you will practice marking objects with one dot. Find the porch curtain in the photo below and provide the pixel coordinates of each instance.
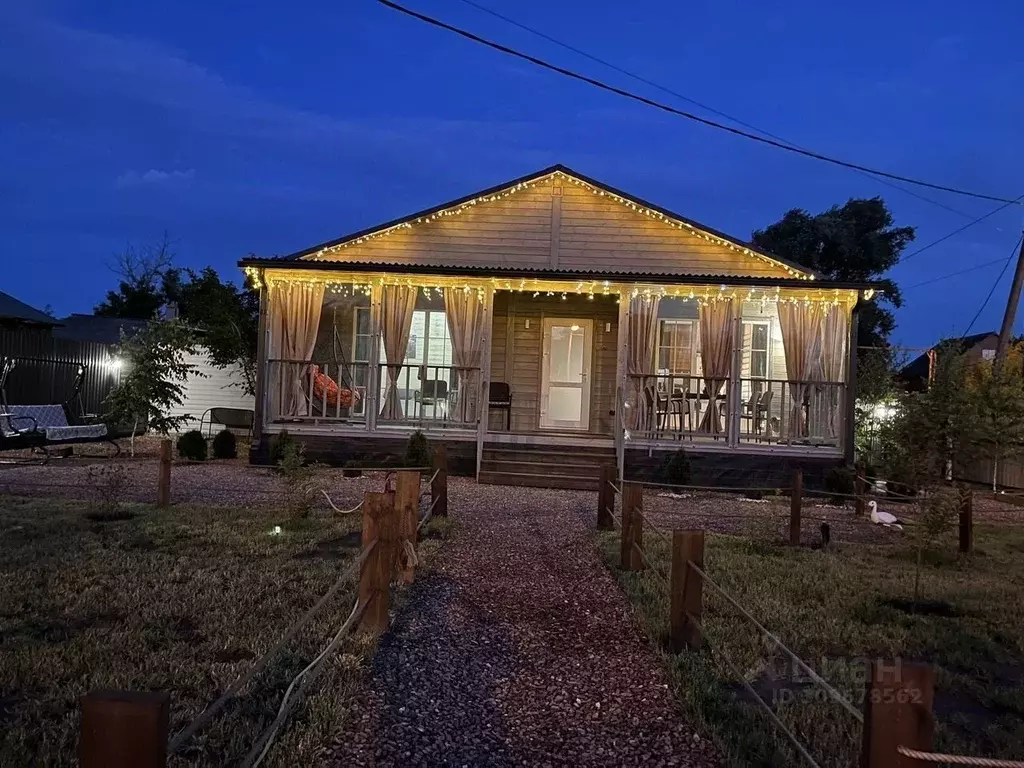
(294, 320)
(466, 314)
(835, 334)
(397, 303)
(801, 339)
(716, 343)
(640, 341)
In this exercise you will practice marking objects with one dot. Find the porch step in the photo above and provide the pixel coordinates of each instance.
(545, 466)
(570, 482)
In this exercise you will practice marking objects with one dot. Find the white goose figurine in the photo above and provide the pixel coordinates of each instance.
(884, 518)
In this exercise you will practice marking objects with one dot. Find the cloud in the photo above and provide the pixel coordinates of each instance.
(154, 177)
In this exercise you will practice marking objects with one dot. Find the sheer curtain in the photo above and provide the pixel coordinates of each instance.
(466, 314)
(835, 339)
(397, 303)
(294, 320)
(801, 339)
(640, 340)
(716, 342)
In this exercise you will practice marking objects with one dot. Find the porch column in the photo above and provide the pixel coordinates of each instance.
(483, 404)
(262, 372)
(735, 388)
(849, 411)
(372, 406)
(620, 381)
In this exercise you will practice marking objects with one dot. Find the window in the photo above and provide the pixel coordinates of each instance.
(756, 351)
(676, 344)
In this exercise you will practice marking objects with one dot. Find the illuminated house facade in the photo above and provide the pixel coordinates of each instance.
(553, 316)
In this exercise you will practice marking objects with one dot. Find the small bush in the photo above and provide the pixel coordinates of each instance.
(192, 445)
(280, 444)
(417, 450)
(351, 469)
(840, 481)
(675, 469)
(225, 446)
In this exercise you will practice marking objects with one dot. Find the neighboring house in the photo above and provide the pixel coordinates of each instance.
(916, 374)
(15, 313)
(549, 324)
(209, 387)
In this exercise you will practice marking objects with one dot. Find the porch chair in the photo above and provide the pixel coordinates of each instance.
(755, 413)
(499, 398)
(434, 393)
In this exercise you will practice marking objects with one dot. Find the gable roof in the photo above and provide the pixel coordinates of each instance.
(14, 309)
(104, 330)
(916, 371)
(452, 207)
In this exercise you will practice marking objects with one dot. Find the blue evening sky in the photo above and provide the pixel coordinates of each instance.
(266, 126)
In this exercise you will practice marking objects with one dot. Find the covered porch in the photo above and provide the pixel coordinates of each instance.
(525, 361)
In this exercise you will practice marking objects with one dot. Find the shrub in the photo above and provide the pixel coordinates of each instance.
(280, 444)
(351, 469)
(192, 445)
(224, 445)
(417, 450)
(840, 481)
(675, 469)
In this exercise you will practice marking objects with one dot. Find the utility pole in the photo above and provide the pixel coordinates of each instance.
(1011, 309)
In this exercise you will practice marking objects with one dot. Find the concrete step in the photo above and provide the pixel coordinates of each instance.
(539, 481)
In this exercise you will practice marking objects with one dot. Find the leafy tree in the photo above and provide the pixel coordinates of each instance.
(154, 378)
(999, 408)
(139, 294)
(855, 242)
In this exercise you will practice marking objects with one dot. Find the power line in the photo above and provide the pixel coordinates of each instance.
(958, 230)
(993, 289)
(683, 97)
(953, 274)
(682, 113)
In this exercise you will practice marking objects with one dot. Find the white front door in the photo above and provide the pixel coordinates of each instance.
(565, 376)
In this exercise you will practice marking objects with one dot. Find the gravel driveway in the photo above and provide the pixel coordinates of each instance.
(518, 650)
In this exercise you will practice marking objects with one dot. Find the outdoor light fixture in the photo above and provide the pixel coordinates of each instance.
(276, 531)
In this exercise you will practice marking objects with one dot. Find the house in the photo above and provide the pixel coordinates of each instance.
(916, 374)
(547, 325)
(16, 313)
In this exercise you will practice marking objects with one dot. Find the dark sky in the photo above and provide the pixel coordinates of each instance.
(267, 126)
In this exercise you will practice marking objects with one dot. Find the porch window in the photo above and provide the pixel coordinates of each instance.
(676, 343)
(755, 368)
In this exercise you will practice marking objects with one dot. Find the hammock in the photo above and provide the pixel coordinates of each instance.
(326, 389)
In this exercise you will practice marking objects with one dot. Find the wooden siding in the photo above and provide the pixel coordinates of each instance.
(516, 354)
(557, 225)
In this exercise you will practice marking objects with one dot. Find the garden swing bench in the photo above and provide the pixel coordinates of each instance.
(39, 427)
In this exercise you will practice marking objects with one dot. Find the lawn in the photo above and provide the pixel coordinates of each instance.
(180, 600)
(835, 608)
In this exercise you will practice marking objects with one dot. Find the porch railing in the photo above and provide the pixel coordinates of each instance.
(442, 396)
(682, 407)
(317, 390)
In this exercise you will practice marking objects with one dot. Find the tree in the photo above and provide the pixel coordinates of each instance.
(999, 408)
(855, 242)
(154, 378)
(140, 292)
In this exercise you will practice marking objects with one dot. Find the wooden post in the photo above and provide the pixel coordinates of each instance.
(606, 499)
(795, 503)
(163, 481)
(966, 520)
(124, 729)
(380, 524)
(897, 713)
(859, 490)
(407, 507)
(632, 527)
(439, 486)
(687, 586)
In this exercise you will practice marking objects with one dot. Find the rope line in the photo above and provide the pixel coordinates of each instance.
(650, 566)
(939, 757)
(206, 715)
(341, 511)
(832, 692)
(618, 491)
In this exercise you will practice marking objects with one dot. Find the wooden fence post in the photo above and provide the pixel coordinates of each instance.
(795, 503)
(632, 527)
(407, 507)
(687, 588)
(380, 524)
(606, 499)
(163, 480)
(966, 519)
(897, 713)
(859, 489)
(124, 729)
(439, 486)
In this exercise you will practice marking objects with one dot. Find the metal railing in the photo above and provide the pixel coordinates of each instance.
(320, 391)
(429, 395)
(792, 412)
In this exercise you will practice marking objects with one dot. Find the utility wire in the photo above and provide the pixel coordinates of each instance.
(958, 230)
(993, 288)
(683, 97)
(953, 274)
(682, 113)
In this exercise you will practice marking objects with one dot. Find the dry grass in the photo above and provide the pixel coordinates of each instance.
(179, 600)
(837, 608)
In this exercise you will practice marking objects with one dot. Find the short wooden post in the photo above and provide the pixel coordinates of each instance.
(606, 499)
(897, 713)
(795, 504)
(124, 729)
(966, 520)
(439, 485)
(859, 490)
(407, 506)
(632, 527)
(380, 524)
(163, 481)
(687, 587)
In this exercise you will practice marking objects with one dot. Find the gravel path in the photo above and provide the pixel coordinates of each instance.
(518, 650)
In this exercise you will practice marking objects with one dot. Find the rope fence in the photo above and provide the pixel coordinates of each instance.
(938, 757)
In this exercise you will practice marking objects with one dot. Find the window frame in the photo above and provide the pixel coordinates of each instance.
(659, 345)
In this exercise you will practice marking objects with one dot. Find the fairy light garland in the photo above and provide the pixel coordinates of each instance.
(632, 205)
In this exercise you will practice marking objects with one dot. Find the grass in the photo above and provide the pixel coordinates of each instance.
(181, 600)
(836, 609)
